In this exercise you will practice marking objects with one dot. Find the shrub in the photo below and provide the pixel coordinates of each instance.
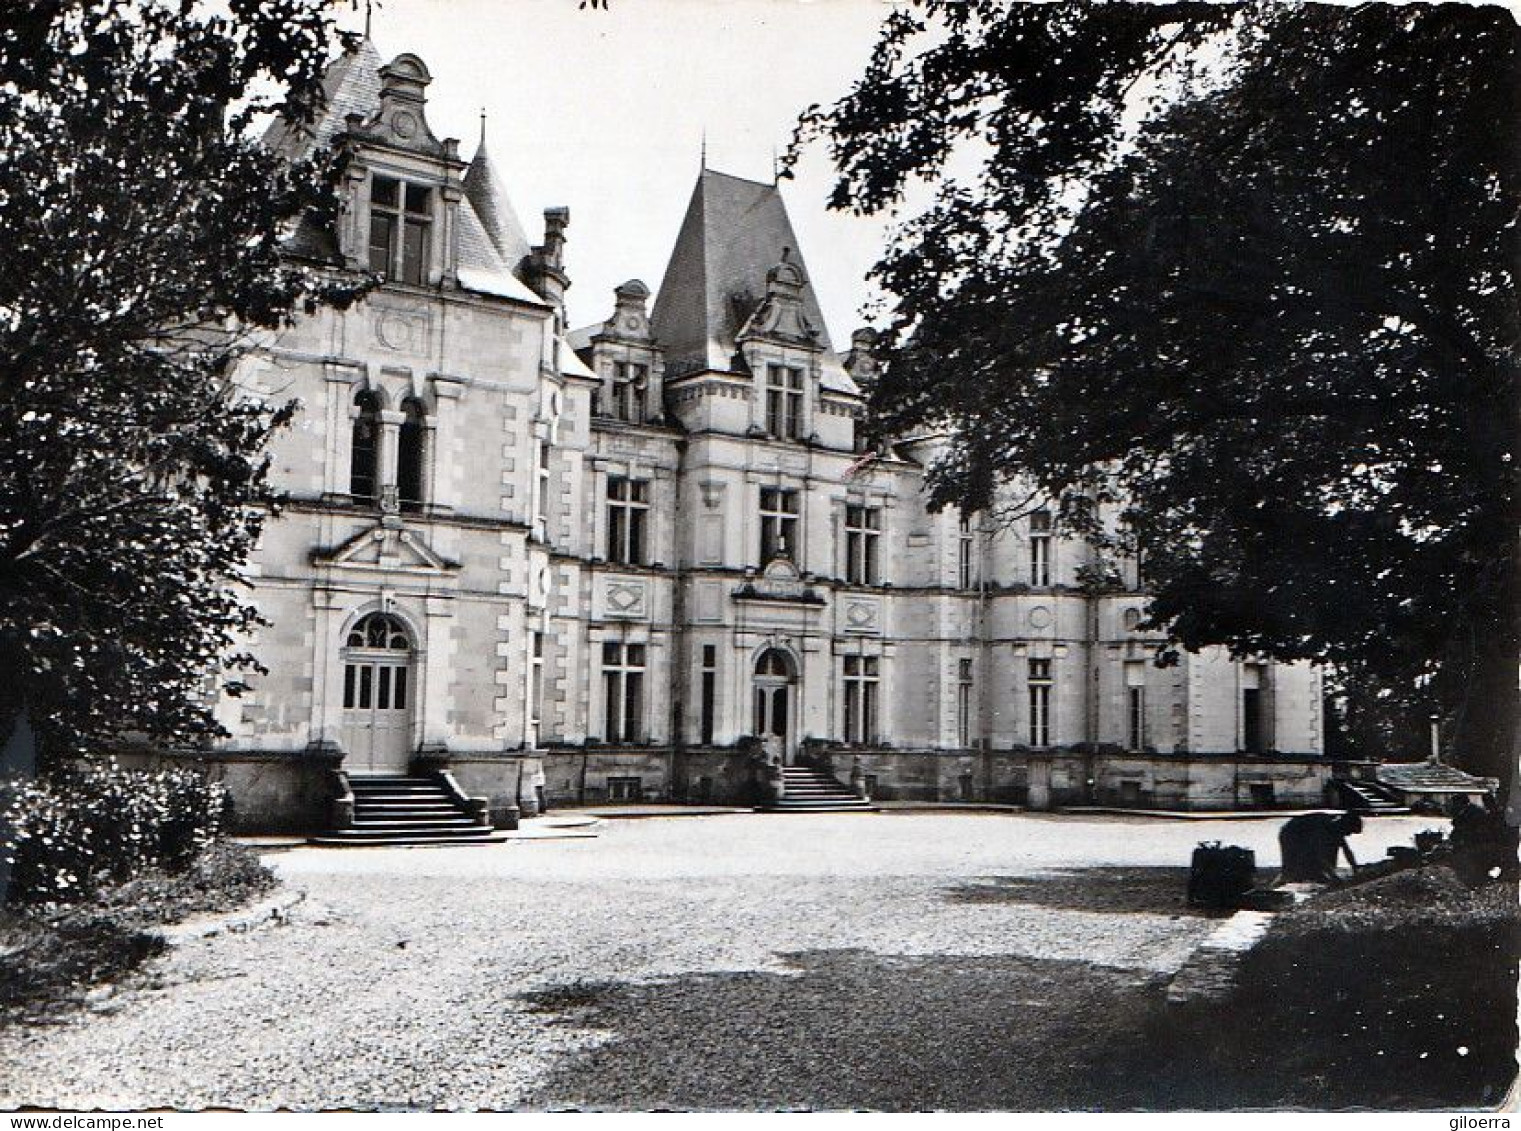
(66, 835)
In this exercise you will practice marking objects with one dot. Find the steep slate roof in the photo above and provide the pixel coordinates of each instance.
(733, 233)
(484, 190)
(351, 85)
(481, 268)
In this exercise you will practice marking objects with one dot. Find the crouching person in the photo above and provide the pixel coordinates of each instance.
(1310, 844)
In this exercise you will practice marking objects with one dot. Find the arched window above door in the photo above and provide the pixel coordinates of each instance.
(382, 631)
(773, 662)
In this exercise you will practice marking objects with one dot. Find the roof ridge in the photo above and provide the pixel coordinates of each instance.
(737, 177)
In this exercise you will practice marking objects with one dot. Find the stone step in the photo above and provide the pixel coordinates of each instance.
(380, 828)
(389, 779)
(419, 795)
(387, 820)
(425, 825)
(339, 840)
(812, 787)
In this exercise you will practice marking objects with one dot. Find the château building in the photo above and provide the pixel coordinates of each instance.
(614, 562)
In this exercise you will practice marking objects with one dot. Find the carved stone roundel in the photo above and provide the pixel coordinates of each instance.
(1040, 617)
(404, 124)
(395, 330)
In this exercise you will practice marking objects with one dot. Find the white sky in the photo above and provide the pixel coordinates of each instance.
(604, 111)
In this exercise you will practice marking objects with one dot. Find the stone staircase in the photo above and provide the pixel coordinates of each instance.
(1367, 799)
(807, 790)
(393, 809)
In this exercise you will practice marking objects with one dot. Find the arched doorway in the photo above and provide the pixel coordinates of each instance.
(775, 707)
(378, 692)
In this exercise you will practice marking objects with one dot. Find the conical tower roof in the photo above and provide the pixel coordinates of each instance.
(351, 85)
(735, 231)
(488, 197)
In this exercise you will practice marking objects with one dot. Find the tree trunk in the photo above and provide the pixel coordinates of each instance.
(1488, 738)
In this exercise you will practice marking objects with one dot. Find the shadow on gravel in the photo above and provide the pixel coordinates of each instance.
(1156, 891)
(850, 1029)
(1398, 995)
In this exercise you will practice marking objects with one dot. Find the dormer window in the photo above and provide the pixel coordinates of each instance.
(630, 379)
(784, 402)
(400, 217)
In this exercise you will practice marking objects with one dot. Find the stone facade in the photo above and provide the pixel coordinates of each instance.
(611, 563)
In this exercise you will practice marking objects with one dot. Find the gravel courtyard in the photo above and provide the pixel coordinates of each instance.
(889, 961)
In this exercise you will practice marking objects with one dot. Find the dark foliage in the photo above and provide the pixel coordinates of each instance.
(82, 828)
(1237, 284)
(140, 234)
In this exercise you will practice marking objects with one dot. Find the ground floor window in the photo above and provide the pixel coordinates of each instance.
(623, 687)
(862, 676)
(709, 693)
(964, 703)
(535, 689)
(1040, 702)
(1136, 709)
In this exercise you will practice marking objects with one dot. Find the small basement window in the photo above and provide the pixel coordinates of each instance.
(625, 789)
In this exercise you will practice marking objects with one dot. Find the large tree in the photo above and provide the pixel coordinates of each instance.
(1247, 271)
(140, 247)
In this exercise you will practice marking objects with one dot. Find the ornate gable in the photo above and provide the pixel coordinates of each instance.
(389, 547)
(401, 121)
(781, 316)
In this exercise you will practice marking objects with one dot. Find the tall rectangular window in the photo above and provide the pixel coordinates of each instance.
(964, 702)
(784, 402)
(535, 688)
(778, 515)
(861, 683)
(401, 217)
(628, 505)
(1254, 721)
(863, 526)
(417, 221)
(709, 692)
(1040, 702)
(1251, 721)
(1040, 548)
(623, 687)
(385, 216)
(1135, 705)
(541, 489)
(965, 544)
